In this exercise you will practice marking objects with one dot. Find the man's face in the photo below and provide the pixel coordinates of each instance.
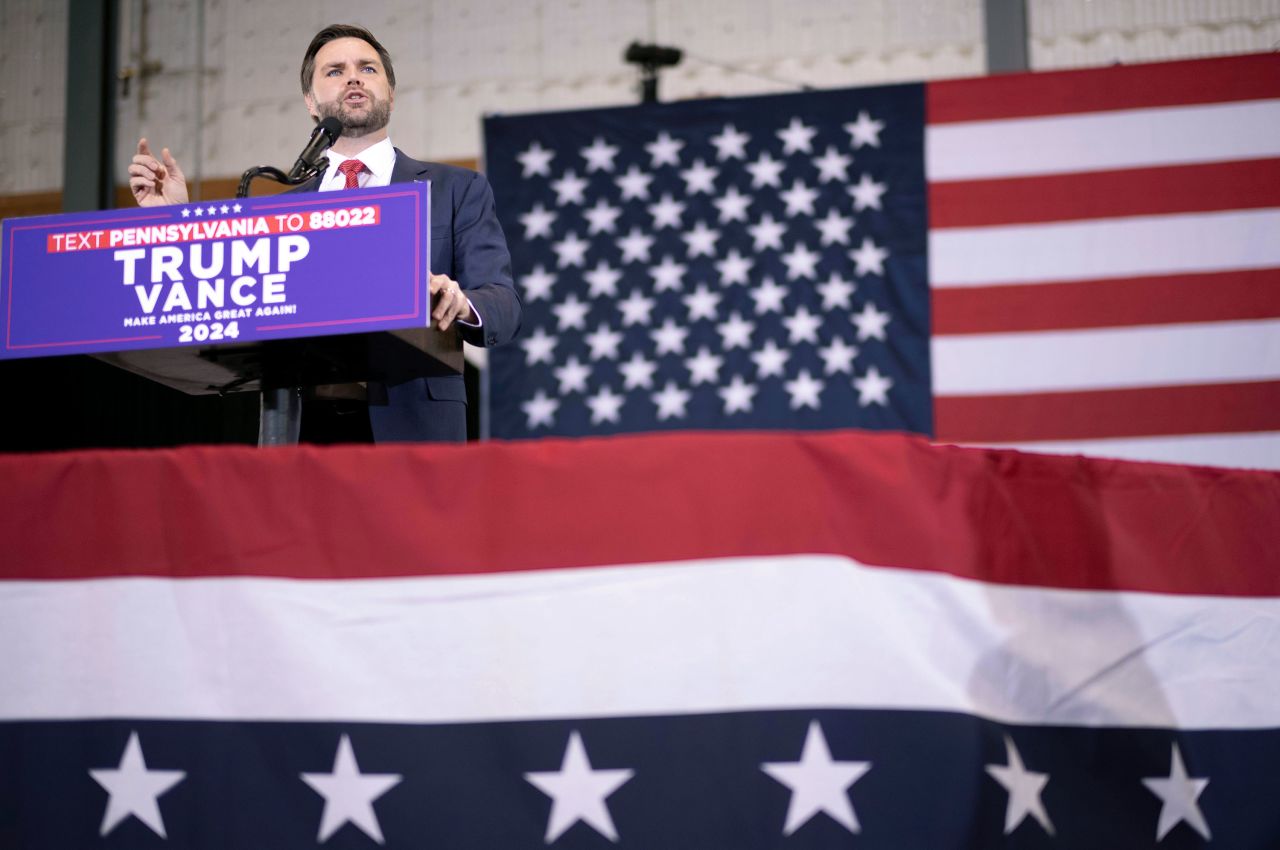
(351, 85)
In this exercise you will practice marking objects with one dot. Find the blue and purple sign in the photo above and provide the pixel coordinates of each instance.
(305, 264)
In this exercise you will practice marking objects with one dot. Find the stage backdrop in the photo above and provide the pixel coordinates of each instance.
(660, 641)
(1082, 261)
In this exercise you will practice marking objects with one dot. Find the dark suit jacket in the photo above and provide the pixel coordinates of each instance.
(467, 244)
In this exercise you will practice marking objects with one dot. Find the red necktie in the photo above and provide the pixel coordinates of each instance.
(351, 169)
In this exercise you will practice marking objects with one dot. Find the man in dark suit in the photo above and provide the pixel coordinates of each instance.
(348, 74)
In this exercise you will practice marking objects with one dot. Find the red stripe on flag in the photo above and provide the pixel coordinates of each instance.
(1115, 302)
(883, 499)
(1232, 78)
(1249, 184)
(1100, 414)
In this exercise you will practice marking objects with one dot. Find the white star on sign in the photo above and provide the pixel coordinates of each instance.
(571, 250)
(599, 155)
(604, 342)
(538, 347)
(736, 332)
(636, 308)
(732, 205)
(770, 360)
(571, 313)
(540, 410)
(701, 240)
(671, 401)
(1178, 794)
(569, 188)
(767, 233)
(666, 212)
(802, 326)
(702, 303)
(635, 246)
(134, 790)
(871, 322)
(833, 165)
(634, 184)
(602, 217)
(866, 193)
(572, 376)
(765, 171)
(836, 292)
(733, 268)
(668, 274)
(700, 177)
(224, 209)
(869, 258)
(1024, 787)
(637, 372)
(186, 213)
(768, 296)
(737, 395)
(804, 390)
(797, 137)
(799, 198)
(834, 227)
(704, 367)
(236, 208)
(837, 356)
(602, 280)
(537, 222)
(801, 262)
(604, 408)
(537, 283)
(212, 210)
(864, 131)
(536, 160)
(818, 783)
(873, 388)
(669, 339)
(731, 143)
(349, 794)
(578, 792)
(664, 150)
(199, 211)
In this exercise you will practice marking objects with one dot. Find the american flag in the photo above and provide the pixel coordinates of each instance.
(1080, 261)
(680, 640)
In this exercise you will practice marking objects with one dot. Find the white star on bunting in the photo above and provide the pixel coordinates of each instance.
(133, 790)
(1024, 787)
(349, 794)
(818, 783)
(1178, 793)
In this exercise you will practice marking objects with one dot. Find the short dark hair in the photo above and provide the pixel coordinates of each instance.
(336, 31)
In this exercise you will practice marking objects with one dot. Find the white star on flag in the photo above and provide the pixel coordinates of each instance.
(801, 262)
(833, 165)
(602, 280)
(538, 347)
(732, 205)
(702, 303)
(349, 794)
(604, 342)
(599, 155)
(871, 323)
(637, 372)
(666, 212)
(605, 406)
(802, 326)
(834, 228)
(873, 388)
(602, 217)
(540, 410)
(837, 356)
(668, 274)
(537, 283)
(737, 396)
(535, 160)
(571, 250)
(734, 267)
(799, 198)
(804, 390)
(866, 193)
(864, 131)
(701, 240)
(671, 401)
(635, 246)
(636, 308)
(1024, 787)
(1178, 794)
(767, 233)
(569, 188)
(765, 171)
(134, 790)
(797, 137)
(770, 360)
(537, 222)
(818, 783)
(578, 792)
(736, 332)
(700, 177)
(836, 292)
(704, 367)
(572, 376)
(664, 150)
(571, 313)
(768, 296)
(634, 184)
(869, 258)
(730, 143)
(669, 339)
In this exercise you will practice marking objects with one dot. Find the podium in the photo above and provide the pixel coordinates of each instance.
(267, 295)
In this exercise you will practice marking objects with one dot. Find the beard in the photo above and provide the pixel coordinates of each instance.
(355, 122)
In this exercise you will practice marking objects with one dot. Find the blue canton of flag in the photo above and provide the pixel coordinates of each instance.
(745, 263)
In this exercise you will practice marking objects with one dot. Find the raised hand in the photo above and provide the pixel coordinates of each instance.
(156, 182)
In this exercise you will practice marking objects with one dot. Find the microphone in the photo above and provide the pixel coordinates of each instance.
(322, 138)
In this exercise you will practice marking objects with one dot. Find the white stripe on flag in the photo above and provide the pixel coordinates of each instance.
(803, 631)
(1132, 138)
(1106, 358)
(1106, 248)
(1245, 451)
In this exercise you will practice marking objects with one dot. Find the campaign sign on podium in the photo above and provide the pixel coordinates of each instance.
(204, 296)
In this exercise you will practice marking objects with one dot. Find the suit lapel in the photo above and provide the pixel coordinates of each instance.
(407, 169)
